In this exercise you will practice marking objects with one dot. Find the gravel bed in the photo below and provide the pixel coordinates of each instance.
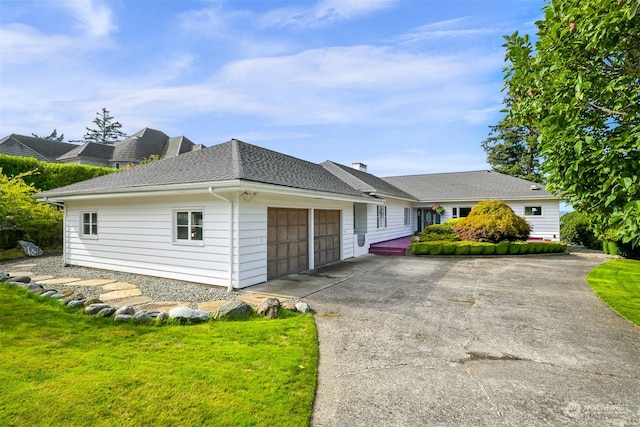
(158, 289)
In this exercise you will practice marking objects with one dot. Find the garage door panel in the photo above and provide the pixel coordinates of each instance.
(287, 241)
(326, 237)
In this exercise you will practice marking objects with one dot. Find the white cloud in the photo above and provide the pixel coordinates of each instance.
(92, 16)
(20, 44)
(323, 13)
(453, 28)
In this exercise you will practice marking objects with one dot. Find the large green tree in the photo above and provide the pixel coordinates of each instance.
(107, 132)
(512, 149)
(580, 87)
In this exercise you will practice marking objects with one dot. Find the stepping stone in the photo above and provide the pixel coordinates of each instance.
(39, 278)
(139, 300)
(164, 305)
(94, 282)
(118, 286)
(60, 281)
(14, 273)
(211, 306)
(254, 299)
(123, 293)
(23, 267)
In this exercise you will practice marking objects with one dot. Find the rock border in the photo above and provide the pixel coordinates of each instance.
(233, 310)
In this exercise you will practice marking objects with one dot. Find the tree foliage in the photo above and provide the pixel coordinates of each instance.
(575, 229)
(580, 87)
(18, 209)
(493, 221)
(512, 149)
(107, 132)
(53, 136)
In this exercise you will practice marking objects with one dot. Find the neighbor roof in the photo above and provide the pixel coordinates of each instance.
(40, 148)
(232, 160)
(468, 186)
(91, 150)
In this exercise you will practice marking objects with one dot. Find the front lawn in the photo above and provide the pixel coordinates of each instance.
(60, 368)
(618, 284)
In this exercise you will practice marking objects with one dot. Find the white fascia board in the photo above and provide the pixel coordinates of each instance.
(475, 199)
(299, 192)
(387, 196)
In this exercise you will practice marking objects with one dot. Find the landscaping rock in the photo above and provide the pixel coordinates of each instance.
(90, 301)
(75, 303)
(30, 249)
(127, 310)
(186, 313)
(73, 297)
(21, 279)
(288, 305)
(233, 310)
(4, 277)
(269, 308)
(123, 318)
(303, 307)
(162, 317)
(93, 309)
(49, 293)
(106, 312)
(141, 317)
(56, 296)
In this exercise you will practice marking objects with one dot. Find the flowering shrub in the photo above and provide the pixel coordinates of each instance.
(493, 221)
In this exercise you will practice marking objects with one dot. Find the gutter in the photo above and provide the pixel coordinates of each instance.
(231, 266)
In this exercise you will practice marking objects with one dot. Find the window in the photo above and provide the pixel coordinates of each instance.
(89, 224)
(382, 217)
(407, 216)
(533, 211)
(460, 212)
(189, 225)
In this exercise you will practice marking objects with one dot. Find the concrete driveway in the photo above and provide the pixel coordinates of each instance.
(522, 341)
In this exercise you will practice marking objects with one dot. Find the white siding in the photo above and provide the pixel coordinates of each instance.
(395, 222)
(135, 235)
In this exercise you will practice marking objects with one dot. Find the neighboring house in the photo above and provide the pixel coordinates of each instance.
(234, 215)
(458, 192)
(133, 150)
(45, 150)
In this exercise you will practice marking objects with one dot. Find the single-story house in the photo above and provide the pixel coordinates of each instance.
(236, 214)
(131, 151)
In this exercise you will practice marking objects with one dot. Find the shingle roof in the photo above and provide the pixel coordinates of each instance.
(228, 161)
(180, 145)
(365, 182)
(140, 146)
(89, 149)
(40, 148)
(473, 185)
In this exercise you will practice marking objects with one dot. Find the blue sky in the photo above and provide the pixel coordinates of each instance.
(405, 86)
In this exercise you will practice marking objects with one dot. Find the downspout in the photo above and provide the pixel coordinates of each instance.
(212, 192)
(64, 228)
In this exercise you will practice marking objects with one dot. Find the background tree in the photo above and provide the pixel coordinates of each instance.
(108, 131)
(53, 136)
(512, 149)
(580, 87)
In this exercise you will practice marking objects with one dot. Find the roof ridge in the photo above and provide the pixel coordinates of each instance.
(236, 158)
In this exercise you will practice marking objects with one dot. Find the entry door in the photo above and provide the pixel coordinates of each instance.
(326, 237)
(287, 241)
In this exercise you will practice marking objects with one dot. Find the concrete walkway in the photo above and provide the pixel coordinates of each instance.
(411, 341)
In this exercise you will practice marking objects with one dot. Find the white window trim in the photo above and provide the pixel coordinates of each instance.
(174, 227)
(457, 211)
(534, 216)
(379, 217)
(407, 216)
(90, 235)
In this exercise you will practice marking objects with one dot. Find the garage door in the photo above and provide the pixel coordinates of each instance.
(287, 241)
(326, 237)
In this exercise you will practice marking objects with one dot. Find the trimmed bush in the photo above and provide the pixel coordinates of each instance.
(575, 229)
(435, 248)
(488, 248)
(475, 248)
(419, 248)
(462, 248)
(449, 248)
(493, 221)
(439, 232)
(502, 248)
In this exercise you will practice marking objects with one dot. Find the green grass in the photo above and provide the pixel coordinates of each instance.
(14, 254)
(618, 284)
(60, 368)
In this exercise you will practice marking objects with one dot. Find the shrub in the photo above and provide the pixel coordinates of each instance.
(575, 229)
(502, 248)
(462, 248)
(449, 248)
(439, 232)
(435, 248)
(488, 248)
(475, 248)
(492, 221)
(419, 248)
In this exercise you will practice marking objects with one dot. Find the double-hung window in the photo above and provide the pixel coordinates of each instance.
(407, 216)
(460, 212)
(533, 211)
(382, 217)
(189, 225)
(89, 224)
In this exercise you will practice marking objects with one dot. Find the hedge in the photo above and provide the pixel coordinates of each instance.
(485, 248)
(47, 176)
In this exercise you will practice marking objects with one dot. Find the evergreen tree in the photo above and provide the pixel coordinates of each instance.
(108, 131)
(52, 137)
